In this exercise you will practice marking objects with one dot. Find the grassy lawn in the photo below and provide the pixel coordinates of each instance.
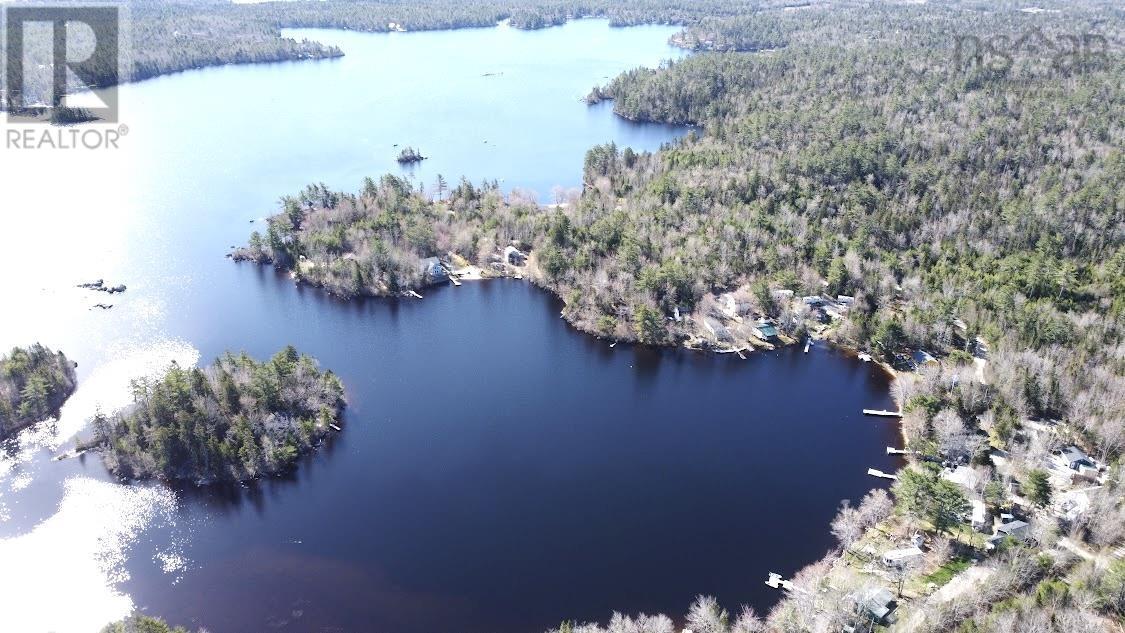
(946, 572)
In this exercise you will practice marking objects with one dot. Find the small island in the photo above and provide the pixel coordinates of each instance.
(410, 156)
(34, 384)
(236, 420)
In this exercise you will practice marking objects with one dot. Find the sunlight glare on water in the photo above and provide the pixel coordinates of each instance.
(62, 573)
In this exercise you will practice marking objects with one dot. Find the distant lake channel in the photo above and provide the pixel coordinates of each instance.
(498, 472)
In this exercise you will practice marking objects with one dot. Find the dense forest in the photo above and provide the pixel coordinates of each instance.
(235, 420)
(34, 384)
(969, 200)
(958, 169)
(373, 243)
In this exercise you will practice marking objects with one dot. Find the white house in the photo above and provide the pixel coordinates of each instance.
(901, 557)
(979, 517)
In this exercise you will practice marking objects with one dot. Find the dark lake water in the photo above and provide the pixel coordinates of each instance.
(498, 472)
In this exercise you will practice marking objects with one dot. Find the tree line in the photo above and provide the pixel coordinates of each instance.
(34, 383)
(235, 420)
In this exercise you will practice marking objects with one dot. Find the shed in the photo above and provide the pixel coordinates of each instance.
(879, 602)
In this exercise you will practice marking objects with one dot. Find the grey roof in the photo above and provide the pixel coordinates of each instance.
(1012, 526)
(878, 602)
(1074, 454)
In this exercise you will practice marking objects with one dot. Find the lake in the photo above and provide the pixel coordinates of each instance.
(498, 471)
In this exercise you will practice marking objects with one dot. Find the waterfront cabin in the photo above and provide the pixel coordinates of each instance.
(432, 270)
(765, 330)
(514, 256)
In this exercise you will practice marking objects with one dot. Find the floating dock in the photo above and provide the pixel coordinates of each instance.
(882, 475)
(865, 357)
(883, 413)
(456, 281)
(777, 582)
(898, 451)
(808, 344)
(334, 427)
(414, 294)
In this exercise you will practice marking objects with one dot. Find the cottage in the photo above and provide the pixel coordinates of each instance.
(1016, 529)
(1073, 458)
(718, 330)
(765, 330)
(432, 270)
(901, 557)
(813, 301)
(879, 603)
(845, 300)
(514, 256)
(921, 357)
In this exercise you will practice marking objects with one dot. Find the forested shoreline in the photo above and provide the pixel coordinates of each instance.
(236, 420)
(969, 197)
(967, 205)
(34, 384)
(170, 37)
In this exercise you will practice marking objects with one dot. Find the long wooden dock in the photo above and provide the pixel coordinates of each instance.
(898, 451)
(883, 413)
(882, 475)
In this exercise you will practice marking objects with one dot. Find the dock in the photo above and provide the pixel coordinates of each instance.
(865, 357)
(777, 582)
(883, 413)
(898, 451)
(808, 344)
(334, 427)
(413, 294)
(456, 281)
(882, 475)
(740, 354)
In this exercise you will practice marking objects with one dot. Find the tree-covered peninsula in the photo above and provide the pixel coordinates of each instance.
(34, 384)
(235, 420)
